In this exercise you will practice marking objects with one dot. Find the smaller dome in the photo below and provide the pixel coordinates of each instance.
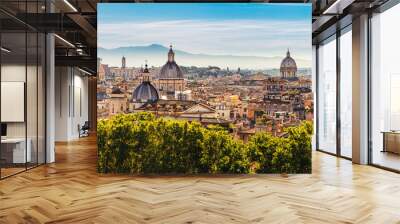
(288, 62)
(144, 93)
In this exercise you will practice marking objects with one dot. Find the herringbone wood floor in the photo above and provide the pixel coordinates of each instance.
(70, 191)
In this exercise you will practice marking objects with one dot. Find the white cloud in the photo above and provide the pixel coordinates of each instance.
(235, 37)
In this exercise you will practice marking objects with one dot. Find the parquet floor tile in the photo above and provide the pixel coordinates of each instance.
(70, 191)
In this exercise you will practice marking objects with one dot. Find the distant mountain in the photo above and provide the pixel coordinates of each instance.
(157, 55)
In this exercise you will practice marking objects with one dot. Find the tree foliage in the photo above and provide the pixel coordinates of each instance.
(141, 143)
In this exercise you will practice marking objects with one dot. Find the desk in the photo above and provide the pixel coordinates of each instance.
(13, 150)
(391, 141)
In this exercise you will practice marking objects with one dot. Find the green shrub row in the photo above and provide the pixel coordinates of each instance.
(140, 143)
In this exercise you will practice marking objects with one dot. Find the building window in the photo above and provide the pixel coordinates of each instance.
(346, 93)
(385, 89)
(327, 96)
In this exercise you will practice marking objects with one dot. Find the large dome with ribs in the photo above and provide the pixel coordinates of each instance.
(170, 70)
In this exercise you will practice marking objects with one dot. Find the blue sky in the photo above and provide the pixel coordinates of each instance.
(243, 29)
(177, 11)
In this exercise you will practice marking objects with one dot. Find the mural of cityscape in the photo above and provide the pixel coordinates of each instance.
(244, 67)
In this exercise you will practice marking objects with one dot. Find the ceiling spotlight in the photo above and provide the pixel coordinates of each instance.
(5, 50)
(79, 51)
(70, 5)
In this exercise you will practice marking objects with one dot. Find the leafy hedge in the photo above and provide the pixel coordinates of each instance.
(141, 143)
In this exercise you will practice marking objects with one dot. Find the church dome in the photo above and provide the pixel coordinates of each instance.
(288, 67)
(170, 70)
(145, 92)
(288, 62)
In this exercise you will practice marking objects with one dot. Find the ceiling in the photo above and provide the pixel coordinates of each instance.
(75, 22)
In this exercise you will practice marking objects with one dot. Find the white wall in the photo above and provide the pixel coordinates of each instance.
(61, 103)
(80, 104)
(71, 102)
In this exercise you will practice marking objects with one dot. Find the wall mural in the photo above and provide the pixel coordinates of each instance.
(204, 88)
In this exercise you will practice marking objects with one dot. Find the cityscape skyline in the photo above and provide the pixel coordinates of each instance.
(251, 101)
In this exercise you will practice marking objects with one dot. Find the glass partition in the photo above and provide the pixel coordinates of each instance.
(22, 88)
(13, 92)
(31, 98)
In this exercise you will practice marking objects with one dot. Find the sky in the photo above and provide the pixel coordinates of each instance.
(240, 29)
